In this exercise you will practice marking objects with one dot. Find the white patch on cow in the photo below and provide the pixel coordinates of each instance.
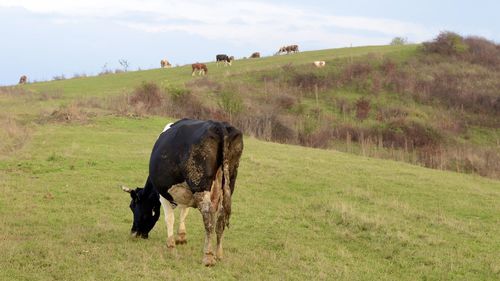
(169, 216)
(167, 127)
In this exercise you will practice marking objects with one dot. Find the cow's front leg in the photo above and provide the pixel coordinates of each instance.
(169, 220)
(181, 233)
(207, 212)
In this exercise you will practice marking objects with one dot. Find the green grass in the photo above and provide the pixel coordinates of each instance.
(113, 84)
(66, 91)
(299, 213)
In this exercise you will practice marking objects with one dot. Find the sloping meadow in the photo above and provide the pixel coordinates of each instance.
(419, 106)
(298, 213)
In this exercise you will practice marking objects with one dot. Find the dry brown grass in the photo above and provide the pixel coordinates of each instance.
(13, 135)
(70, 113)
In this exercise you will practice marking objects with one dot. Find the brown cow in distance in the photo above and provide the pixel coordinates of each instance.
(23, 79)
(255, 55)
(200, 67)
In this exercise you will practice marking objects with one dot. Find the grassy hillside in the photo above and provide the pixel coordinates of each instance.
(298, 213)
(66, 146)
(424, 105)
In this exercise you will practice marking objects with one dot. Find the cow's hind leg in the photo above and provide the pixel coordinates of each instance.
(220, 234)
(169, 220)
(208, 214)
(181, 233)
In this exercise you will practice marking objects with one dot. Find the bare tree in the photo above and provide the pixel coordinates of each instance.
(124, 63)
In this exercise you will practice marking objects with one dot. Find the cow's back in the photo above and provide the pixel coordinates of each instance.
(178, 152)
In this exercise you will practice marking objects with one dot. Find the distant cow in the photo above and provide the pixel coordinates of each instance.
(255, 55)
(165, 64)
(23, 79)
(319, 63)
(193, 164)
(200, 67)
(224, 59)
(288, 49)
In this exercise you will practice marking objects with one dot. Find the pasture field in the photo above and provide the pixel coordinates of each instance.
(298, 213)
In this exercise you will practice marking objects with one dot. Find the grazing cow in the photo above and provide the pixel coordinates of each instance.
(281, 50)
(193, 164)
(200, 67)
(292, 49)
(288, 49)
(23, 79)
(165, 64)
(319, 63)
(255, 55)
(224, 58)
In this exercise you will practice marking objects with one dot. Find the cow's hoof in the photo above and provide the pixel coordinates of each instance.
(220, 255)
(181, 239)
(171, 242)
(209, 259)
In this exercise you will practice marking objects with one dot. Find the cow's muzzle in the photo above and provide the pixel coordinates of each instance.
(136, 234)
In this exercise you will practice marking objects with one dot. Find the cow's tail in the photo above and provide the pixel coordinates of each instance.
(226, 191)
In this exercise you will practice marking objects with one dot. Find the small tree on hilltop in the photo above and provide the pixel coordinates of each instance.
(399, 41)
(446, 43)
(124, 64)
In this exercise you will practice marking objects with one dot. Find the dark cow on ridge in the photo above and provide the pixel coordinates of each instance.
(193, 164)
(200, 67)
(288, 49)
(255, 55)
(224, 59)
(23, 79)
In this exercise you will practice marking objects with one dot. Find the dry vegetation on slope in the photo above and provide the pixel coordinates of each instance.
(438, 106)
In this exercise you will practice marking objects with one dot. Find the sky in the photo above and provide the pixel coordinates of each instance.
(47, 38)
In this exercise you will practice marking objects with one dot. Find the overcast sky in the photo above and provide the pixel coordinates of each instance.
(46, 38)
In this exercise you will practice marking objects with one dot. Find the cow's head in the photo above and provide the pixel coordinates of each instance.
(146, 209)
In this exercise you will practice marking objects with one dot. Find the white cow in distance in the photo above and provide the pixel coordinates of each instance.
(319, 63)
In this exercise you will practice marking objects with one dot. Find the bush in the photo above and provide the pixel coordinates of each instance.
(189, 106)
(309, 81)
(148, 95)
(409, 134)
(362, 108)
(483, 51)
(230, 103)
(399, 41)
(446, 43)
(68, 113)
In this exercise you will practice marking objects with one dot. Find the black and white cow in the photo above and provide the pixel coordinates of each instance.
(288, 49)
(193, 164)
(224, 59)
